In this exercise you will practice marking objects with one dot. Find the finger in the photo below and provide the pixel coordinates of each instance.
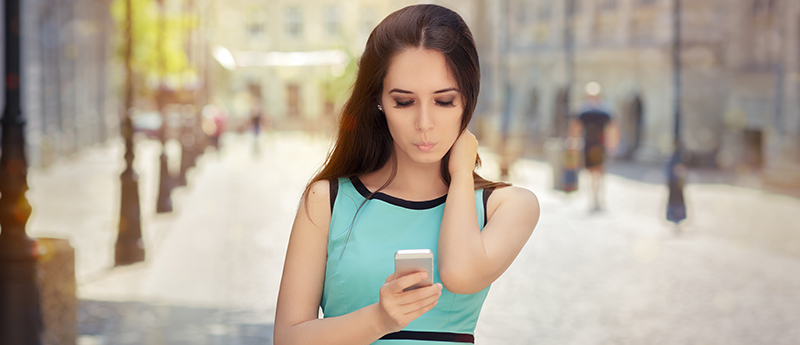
(411, 296)
(389, 278)
(406, 281)
(424, 309)
(420, 297)
(468, 133)
(422, 292)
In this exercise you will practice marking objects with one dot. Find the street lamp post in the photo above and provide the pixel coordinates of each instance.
(129, 248)
(189, 113)
(676, 168)
(566, 174)
(164, 202)
(20, 306)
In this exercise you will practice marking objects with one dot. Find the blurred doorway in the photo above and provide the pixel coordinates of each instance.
(532, 120)
(293, 99)
(562, 113)
(631, 126)
(753, 152)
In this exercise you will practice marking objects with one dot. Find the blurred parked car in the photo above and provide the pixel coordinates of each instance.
(147, 122)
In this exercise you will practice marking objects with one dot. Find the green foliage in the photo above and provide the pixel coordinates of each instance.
(337, 89)
(151, 60)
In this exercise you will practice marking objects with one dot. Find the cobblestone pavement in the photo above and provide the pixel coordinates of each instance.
(620, 276)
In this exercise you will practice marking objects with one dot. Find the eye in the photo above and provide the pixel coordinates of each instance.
(445, 104)
(403, 104)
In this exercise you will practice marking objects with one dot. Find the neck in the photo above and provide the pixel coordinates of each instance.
(413, 181)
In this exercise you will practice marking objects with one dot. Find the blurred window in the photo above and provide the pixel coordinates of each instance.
(763, 38)
(541, 27)
(577, 6)
(643, 22)
(520, 10)
(545, 11)
(329, 108)
(255, 23)
(294, 22)
(605, 21)
(608, 5)
(332, 21)
(367, 20)
(762, 6)
(293, 93)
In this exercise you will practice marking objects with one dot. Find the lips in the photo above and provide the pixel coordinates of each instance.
(425, 146)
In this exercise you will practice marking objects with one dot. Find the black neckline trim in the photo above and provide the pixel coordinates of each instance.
(414, 205)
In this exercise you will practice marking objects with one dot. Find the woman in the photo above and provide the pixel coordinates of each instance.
(401, 176)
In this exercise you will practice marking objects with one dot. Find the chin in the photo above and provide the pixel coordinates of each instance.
(428, 158)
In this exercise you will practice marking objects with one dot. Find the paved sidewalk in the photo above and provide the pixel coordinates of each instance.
(620, 276)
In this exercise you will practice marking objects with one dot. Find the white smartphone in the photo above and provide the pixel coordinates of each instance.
(408, 261)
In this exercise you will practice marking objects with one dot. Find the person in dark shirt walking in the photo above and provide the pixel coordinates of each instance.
(591, 123)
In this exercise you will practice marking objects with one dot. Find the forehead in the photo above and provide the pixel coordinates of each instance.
(420, 71)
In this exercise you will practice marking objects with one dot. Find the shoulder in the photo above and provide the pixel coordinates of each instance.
(318, 191)
(316, 202)
(520, 198)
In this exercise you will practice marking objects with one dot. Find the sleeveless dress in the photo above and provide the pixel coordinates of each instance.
(360, 259)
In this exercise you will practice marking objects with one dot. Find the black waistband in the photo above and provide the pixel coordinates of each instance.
(432, 336)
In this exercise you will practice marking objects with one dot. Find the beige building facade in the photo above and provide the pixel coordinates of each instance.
(740, 70)
(739, 75)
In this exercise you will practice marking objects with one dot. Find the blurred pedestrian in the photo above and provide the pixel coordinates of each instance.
(401, 175)
(591, 124)
(256, 119)
(215, 118)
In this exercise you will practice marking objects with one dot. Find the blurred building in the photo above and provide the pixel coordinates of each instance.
(740, 74)
(67, 81)
(294, 60)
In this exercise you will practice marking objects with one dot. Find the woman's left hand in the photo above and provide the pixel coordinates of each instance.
(463, 154)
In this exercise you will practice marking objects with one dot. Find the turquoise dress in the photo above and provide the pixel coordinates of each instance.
(360, 259)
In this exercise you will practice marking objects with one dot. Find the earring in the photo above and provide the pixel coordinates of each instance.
(380, 107)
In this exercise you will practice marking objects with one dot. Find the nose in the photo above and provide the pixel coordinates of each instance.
(424, 121)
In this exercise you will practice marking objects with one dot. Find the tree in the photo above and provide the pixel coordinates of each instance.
(146, 60)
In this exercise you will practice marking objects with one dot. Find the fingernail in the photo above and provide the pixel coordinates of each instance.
(439, 285)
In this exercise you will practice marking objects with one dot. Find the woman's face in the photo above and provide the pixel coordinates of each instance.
(423, 105)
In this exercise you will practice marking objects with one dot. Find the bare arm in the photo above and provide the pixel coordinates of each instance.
(470, 259)
(303, 279)
(575, 128)
(612, 135)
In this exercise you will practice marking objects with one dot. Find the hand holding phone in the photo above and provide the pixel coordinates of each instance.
(408, 261)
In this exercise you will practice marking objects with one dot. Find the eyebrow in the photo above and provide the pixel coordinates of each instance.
(435, 92)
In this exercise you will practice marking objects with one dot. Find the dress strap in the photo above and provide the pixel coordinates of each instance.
(334, 189)
(486, 193)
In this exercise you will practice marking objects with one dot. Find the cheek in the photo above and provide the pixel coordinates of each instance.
(453, 129)
(395, 124)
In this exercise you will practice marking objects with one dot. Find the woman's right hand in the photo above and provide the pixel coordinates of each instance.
(398, 308)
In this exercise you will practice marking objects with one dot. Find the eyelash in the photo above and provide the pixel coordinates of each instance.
(401, 105)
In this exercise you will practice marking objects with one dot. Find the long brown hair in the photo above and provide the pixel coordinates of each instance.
(363, 143)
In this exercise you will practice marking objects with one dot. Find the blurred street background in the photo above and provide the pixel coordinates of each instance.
(156, 151)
